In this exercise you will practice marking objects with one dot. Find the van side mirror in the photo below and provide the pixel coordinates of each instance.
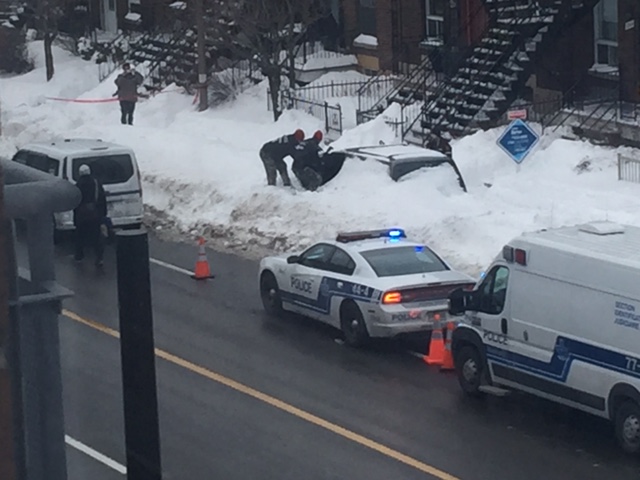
(461, 300)
(293, 259)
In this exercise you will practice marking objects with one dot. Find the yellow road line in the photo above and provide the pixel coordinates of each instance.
(279, 404)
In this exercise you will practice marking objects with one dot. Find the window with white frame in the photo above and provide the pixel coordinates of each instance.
(606, 32)
(435, 18)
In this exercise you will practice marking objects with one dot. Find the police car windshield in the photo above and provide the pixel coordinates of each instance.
(391, 262)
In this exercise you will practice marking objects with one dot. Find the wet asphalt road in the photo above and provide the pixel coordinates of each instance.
(383, 394)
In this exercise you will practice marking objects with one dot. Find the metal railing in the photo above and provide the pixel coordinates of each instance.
(331, 115)
(628, 169)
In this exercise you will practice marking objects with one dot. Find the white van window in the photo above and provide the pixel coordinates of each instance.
(108, 169)
(38, 161)
(493, 291)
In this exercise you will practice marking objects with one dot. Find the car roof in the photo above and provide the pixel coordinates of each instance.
(399, 151)
(73, 146)
(365, 245)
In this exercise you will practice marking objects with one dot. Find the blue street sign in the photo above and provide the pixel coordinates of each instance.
(518, 140)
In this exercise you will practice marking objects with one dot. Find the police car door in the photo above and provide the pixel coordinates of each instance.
(491, 318)
(305, 278)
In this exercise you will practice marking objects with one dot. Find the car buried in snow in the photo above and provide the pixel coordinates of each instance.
(403, 159)
(367, 284)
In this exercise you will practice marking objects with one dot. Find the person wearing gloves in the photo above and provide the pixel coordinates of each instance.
(306, 162)
(273, 154)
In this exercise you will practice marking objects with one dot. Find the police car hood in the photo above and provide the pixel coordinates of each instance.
(424, 280)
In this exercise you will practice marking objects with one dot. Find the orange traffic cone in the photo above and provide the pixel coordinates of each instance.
(436, 347)
(447, 362)
(202, 270)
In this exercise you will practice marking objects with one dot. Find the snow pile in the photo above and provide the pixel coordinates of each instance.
(202, 173)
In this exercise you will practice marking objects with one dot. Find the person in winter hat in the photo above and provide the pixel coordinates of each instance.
(306, 162)
(128, 82)
(273, 154)
(88, 216)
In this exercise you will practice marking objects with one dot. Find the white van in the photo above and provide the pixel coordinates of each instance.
(115, 166)
(558, 315)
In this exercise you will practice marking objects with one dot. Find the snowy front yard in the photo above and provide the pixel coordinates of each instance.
(202, 172)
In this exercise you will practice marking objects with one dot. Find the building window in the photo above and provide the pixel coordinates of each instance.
(367, 17)
(606, 32)
(435, 18)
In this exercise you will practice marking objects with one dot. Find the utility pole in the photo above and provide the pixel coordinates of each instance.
(202, 60)
(7, 457)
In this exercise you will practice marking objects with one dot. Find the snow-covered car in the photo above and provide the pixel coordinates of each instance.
(403, 159)
(368, 284)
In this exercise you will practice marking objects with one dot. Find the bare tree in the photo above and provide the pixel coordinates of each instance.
(270, 31)
(48, 12)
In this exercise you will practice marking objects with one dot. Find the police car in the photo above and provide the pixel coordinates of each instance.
(368, 284)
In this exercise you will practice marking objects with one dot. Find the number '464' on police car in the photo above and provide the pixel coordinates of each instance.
(368, 284)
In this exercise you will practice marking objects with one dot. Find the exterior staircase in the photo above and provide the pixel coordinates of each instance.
(495, 71)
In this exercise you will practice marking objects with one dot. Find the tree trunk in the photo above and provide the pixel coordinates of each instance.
(292, 68)
(48, 55)
(274, 90)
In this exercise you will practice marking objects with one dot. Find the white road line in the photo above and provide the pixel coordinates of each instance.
(81, 447)
(171, 267)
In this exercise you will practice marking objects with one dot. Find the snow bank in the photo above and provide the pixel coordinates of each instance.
(202, 171)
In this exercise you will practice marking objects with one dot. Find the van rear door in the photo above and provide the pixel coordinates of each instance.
(118, 173)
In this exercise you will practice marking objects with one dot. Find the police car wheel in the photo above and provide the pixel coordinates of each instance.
(270, 294)
(627, 426)
(353, 327)
(469, 368)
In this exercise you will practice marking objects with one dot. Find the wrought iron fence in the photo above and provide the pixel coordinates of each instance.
(628, 169)
(331, 115)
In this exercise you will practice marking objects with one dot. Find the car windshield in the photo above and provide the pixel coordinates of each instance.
(108, 169)
(394, 261)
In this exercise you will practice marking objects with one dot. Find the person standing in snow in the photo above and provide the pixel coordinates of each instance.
(273, 154)
(128, 82)
(306, 162)
(88, 216)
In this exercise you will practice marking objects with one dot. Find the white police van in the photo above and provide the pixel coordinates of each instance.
(115, 166)
(558, 315)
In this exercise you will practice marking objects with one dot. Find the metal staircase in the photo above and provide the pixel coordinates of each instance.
(492, 75)
(418, 86)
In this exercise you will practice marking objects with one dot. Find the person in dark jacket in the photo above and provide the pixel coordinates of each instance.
(273, 154)
(314, 167)
(89, 215)
(128, 82)
(306, 162)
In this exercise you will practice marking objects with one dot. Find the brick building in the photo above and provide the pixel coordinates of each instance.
(387, 34)
(549, 54)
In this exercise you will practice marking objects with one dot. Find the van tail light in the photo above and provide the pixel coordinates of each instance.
(423, 294)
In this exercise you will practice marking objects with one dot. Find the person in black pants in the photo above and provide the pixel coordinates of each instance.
(88, 216)
(273, 154)
(128, 82)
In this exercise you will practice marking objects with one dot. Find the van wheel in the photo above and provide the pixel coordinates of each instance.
(627, 426)
(353, 326)
(470, 370)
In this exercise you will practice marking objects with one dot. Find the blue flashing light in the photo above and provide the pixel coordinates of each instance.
(395, 233)
(483, 274)
(419, 248)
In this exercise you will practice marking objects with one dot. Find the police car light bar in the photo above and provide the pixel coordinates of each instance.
(392, 233)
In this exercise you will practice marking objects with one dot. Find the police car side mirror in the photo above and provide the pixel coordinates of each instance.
(293, 259)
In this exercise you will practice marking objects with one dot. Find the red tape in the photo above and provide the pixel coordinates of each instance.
(83, 100)
(103, 100)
